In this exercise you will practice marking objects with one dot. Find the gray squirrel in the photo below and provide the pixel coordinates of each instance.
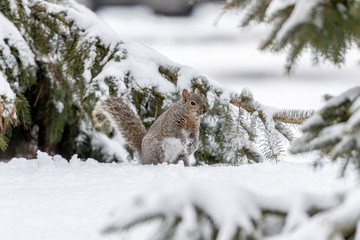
(173, 137)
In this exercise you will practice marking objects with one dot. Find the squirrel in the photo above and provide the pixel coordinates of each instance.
(173, 137)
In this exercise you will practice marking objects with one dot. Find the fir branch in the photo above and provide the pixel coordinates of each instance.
(168, 228)
(285, 131)
(23, 111)
(203, 213)
(10, 118)
(285, 116)
(293, 116)
(114, 228)
(170, 73)
(272, 145)
(327, 28)
(3, 143)
(255, 12)
(251, 154)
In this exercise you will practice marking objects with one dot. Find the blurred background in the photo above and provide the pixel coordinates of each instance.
(206, 38)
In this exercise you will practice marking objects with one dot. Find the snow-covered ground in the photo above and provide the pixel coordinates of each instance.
(52, 199)
(49, 198)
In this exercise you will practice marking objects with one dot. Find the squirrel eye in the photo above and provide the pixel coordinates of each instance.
(193, 103)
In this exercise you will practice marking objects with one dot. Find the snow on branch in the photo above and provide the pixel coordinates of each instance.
(274, 122)
(16, 57)
(68, 59)
(334, 129)
(203, 211)
(279, 115)
(327, 28)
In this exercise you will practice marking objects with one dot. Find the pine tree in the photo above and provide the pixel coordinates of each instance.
(57, 60)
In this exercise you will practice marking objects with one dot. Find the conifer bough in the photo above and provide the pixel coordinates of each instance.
(200, 211)
(57, 59)
(327, 27)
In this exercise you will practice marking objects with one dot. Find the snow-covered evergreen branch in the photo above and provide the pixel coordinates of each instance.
(334, 129)
(274, 125)
(198, 211)
(58, 60)
(326, 27)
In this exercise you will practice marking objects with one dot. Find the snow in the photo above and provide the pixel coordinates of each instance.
(6, 94)
(141, 69)
(276, 5)
(9, 32)
(50, 198)
(11, 38)
(59, 106)
(5, 90)
(86, 20)
(324, 225)
(300, 14)
(350, 95)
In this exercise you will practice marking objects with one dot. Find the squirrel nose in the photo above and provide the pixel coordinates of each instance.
(204, 111)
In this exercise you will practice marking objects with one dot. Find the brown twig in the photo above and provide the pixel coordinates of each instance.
(238, 103)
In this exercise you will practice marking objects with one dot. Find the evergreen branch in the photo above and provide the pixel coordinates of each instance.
(272, 146)
(169, 227)
(250, 153)
(285, 116)
(285, 14)
(327, 28)
(214, 227)
(281, 128)
(344, 167)
(242, 125)
(256, 12)
(191, 217)
(236, 3)
(114, 228)
(170, 73)
(3, 143)
(23, 111)
(4, 122)
(1, 118)
(293, 116)
(272, 211)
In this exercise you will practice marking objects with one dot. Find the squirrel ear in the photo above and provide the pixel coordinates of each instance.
(197, 91)
(185, 94)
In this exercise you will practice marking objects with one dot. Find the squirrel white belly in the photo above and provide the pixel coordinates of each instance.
(171, 138)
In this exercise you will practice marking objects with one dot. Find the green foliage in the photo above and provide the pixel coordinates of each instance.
(59, 68)
(244, 131)
(328, 28)
(3, 143)
(334, 130)
(199, 211)
(52, 88)
(23, 111)
(266, 126)
(170, 73)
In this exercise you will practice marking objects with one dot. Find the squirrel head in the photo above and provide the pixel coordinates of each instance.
(194, 102)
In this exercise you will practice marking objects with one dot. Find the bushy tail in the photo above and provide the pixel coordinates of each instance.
(122, 118)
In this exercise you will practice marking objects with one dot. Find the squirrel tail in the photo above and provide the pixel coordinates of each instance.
(122, 118)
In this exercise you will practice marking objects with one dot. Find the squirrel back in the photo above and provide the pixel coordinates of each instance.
(123, 119)
(171, 138)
